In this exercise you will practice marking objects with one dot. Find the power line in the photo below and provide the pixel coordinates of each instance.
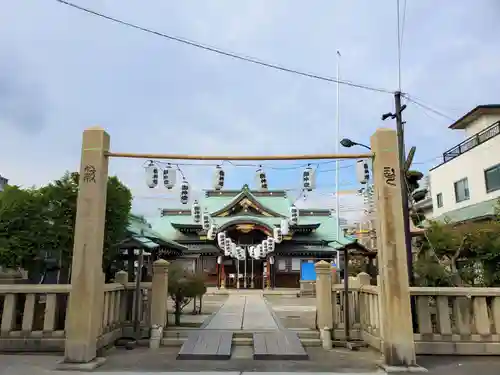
(219, 51)
(264, 166)
(427, 107)
(399, 45)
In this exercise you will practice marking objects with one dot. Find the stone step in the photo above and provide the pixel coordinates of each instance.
(278, 345)
(183, 333)
(310, 342)
(242, 341)
(237, 341)
(307, 334)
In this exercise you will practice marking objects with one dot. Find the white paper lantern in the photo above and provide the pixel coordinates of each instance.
(294, 215)
(277, 235)
(260, 252)
(185, 192)
(265, 249)
(152, 175)
(362, 171)
(196, 212)
(270, 244)
(261, 179)
(284, 227)
(207, 220)
(240, 254)
(309, 179)
(227, 247)
(221, 239)
(169, 176)
(251, 251)
(211, 232)
(219, 176)
(234, 253)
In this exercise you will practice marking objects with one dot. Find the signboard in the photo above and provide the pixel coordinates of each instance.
(307, 271)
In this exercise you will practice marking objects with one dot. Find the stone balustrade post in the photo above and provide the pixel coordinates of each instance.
(121, 277)
(324, 303)
(364, 279)
(363, 303)
(159, 293)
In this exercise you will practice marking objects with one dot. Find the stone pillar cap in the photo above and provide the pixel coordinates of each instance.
(322, 264)
(161, 263)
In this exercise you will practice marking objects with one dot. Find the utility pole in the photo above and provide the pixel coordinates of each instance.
(402, 158)
(406, 211)
(402, 166)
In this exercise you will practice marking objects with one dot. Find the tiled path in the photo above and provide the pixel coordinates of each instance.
(245, 312)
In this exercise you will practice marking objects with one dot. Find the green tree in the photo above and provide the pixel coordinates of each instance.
(23, 226)
(413, 180)
(34, 222)
(184, 286)
(460, 254)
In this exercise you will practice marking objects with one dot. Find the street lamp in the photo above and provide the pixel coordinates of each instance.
(346, 142)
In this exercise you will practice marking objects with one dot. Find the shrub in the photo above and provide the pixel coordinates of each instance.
(183, 286)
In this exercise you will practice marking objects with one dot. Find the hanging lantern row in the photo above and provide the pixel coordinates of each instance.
(169, 180)
(260, 251)
(153, 172)
(208, 224)
(170, 177)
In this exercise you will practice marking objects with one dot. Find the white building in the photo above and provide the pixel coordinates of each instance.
(466, 184)
(3, 181)
(424, 206)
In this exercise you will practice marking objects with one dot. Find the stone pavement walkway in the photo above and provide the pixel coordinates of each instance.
(243, 312)
(147, 362)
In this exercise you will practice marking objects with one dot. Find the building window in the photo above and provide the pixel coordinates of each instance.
(492, 178)
(439, 199)
(462, 190)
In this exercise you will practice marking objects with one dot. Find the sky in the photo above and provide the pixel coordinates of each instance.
(62, 70)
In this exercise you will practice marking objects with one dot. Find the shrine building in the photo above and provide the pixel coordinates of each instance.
(248, 217)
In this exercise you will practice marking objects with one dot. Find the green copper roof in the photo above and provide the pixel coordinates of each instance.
(279, 203)
(141, 231)
(474, 211)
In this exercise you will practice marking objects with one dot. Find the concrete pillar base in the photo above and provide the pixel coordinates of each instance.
(396, 369)
(81, 366)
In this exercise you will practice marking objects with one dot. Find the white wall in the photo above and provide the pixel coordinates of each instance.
(481, 123)
(470, 164)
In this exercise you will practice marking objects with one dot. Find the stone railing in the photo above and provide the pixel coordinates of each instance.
(338, 299)
(368, 304)
(451, 321)
(463, 321)
(33, 316)
(330, 303)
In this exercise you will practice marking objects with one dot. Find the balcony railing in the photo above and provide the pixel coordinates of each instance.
(470, 143)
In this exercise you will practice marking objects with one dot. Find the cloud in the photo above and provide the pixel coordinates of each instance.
(22, 99)
(62, 71)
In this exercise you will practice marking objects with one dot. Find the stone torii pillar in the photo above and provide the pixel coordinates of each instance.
(398, 345)
(84, 317)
